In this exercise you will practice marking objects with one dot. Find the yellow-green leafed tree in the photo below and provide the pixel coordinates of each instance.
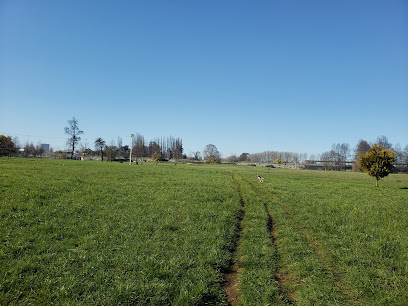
(377, 162)
(156, 157)
(278, 161)
(214, 160)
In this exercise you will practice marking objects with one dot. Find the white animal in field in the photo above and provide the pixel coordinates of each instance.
(260, 178)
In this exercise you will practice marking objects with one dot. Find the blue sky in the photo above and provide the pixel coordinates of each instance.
(247, 76)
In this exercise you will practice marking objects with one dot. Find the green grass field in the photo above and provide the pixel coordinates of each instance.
(77, 232)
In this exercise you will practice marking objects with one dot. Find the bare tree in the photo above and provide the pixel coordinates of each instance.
(196, 155)
(405, 158)
(39, 150)
(110, 151)
(326, 158)
(383, 141)
(295, 158)
(139, 147)
(344, 153)
(302, 157)
(73, 131)
(232, 158)
(398, 154)
(272, 156)
(211, 150)
(121, 150)
(28, 149)
(17, 144)
(177, 148)
(339, 155)
(84, 146)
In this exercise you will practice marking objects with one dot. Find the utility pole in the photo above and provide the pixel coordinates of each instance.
(131, 145)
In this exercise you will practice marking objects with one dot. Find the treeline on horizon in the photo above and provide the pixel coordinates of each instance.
(340, 153)
(167, 148)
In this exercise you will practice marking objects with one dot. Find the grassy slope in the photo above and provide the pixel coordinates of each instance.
(82, 232)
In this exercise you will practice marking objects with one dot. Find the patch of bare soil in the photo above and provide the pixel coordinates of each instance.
(231, 285)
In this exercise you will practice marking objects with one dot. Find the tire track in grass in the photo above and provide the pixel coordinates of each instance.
(278, 275)
(230, 285)
(323, 258)
(289, 298)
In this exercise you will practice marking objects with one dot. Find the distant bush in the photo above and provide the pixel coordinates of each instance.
(156, 157)
(213, 160)
(6, 146)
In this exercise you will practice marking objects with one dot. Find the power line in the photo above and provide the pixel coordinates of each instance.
(58, 137)
(26, 135)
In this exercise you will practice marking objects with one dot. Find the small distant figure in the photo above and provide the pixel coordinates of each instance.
(260, 178)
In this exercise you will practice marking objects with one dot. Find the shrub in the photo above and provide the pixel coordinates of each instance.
(156, 157)
(214, 160)
(377, 162)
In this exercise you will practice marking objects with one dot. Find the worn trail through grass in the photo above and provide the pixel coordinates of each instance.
(331, 275)
(230, 286)
(103, 233)
(256, 253)
(282, 281)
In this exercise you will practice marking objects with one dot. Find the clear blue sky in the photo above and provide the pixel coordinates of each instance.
(247, 76)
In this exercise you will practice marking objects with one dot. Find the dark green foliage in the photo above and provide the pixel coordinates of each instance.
(6, 146)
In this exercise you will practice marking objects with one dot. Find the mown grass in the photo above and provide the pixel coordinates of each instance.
(109, 233)
(88, 232)
(341, 240)
(256, 254)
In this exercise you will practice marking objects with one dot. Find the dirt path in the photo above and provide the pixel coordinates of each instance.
(230, 286)
(278, 275)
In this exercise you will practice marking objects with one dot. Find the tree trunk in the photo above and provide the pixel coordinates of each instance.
(73, 147)
(376, 182)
